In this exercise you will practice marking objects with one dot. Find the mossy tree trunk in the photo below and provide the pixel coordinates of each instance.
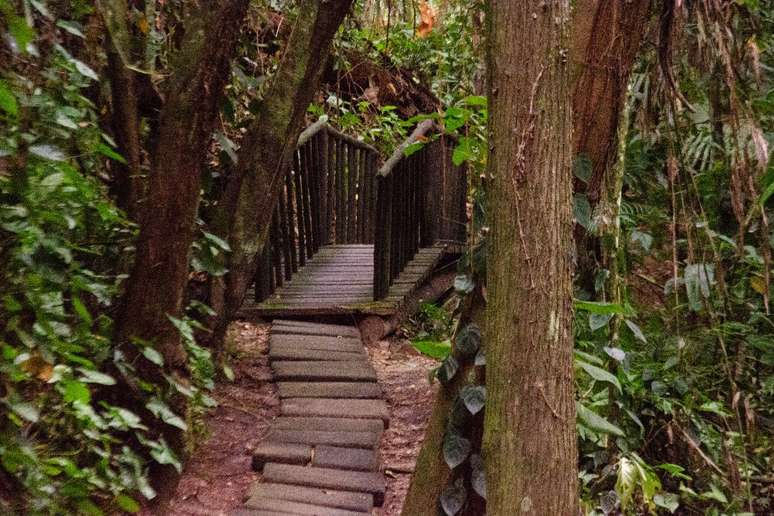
(245, 211)
(154, 290)
(605, 36)
(530, 448)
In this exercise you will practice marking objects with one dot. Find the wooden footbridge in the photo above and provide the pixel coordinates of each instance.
(347, 236)
(351, 236)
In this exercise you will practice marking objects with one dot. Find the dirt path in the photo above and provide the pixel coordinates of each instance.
(217, 478)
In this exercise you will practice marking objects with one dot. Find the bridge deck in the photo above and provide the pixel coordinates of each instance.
(339, 280)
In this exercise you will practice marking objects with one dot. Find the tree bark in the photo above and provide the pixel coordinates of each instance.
(530, 448)
(252, 190)
(201, 69)
(606, 38)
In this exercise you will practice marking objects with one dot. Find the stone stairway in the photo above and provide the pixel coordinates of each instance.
(321, 457)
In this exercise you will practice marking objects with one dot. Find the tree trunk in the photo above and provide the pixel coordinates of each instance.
(530, 448)
(154, 290)
(606, 38)
(127, 185)
(245, 212)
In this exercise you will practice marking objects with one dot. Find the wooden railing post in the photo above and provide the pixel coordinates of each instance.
(382, 236)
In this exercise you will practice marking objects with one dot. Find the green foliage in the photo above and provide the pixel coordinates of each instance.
(72, 440)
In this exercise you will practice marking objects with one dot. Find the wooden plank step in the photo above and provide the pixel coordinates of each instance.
(348, 344)
(359, 481)
(345, 458)
(276, 506)
(284, 452)
(315, 437)
(342, 329)
(329, 390)
(313, 495)
(322, 371)
(288, 353)
(318, 332)
(331, 424)
(336, 407)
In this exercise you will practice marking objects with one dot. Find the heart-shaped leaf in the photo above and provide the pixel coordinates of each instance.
(474, 397)
(468, 340)
(455, 449)
(453, 497)
(477, 475)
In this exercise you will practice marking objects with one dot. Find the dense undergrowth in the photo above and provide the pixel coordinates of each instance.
(674, 377)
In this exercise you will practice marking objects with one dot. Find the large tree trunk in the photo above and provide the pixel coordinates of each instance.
(154, 290)
(530, 448)
(606, 38)
(245, 212)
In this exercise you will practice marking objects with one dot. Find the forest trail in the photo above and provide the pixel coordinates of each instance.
(321, 453)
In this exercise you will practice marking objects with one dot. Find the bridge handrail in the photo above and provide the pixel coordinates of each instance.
(420, 131)
(327, 197)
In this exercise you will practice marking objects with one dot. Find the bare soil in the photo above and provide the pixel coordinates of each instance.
(219, 473)
(403, 375)
(218, 476)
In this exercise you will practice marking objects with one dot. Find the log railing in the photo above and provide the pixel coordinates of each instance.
(327, 198)
(420, 202)
(333, 194)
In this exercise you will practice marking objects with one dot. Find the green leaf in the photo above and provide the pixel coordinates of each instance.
(91, 376)
(26, 410)
(228, 146)
(599, 374)
(675, 470)
(636, 330)
(413, 148)
(160, 409)
(154, 356)
(596, 422)
(468, 340)
(22, 33)
(582, 168)
(217, 241)
(432, 348)
(455, 449)
(453, 496)
(74, 391)
(597, 321)
(588, 357)
(228, 372)
(668, 501)
(128, 504)
(715, 494)
(478, 475)
(582, 210)
(474, 397)
(72, 27)
(84, 69)
(699, 277)
(7, 99)
(463, 284)
(110, 153)
(463, 151)
(448, 369)
(616, 354)
(474, 100)
(47, 151)
(596, 307)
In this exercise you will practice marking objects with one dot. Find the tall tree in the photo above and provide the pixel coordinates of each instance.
(606, 39)
(245, 212)
(200, 71)
(530, 448)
